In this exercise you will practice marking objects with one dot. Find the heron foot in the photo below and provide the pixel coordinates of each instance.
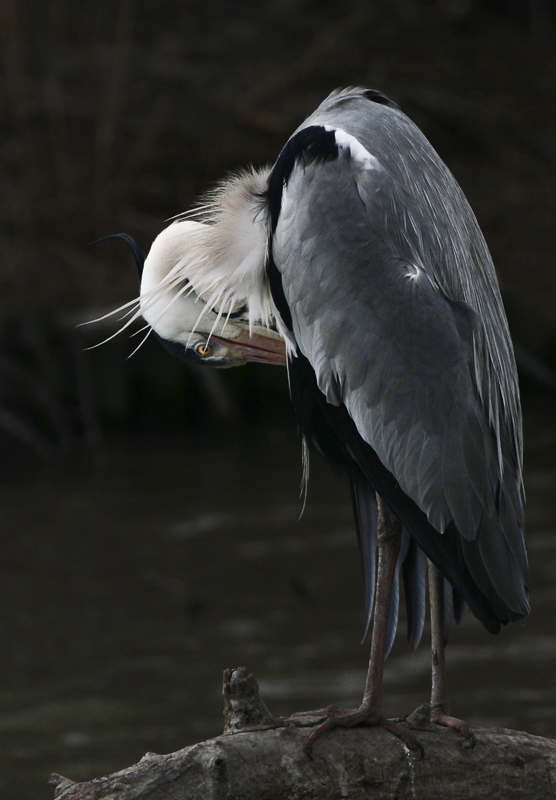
(331, 717)
(440, 717)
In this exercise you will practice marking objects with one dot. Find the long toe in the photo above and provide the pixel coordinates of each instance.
(407, 737)
(342, 718)
(440, 718)
(297, 716)
(349, 718)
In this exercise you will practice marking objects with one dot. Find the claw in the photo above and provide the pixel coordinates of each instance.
(308, 749)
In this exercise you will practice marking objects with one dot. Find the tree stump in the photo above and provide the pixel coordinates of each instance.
(261, 757)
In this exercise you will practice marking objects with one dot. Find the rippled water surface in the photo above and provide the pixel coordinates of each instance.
(124, 594)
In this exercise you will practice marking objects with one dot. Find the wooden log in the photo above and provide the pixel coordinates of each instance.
(261, 757)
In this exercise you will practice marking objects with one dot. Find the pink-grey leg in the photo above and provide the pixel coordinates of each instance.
(369, 712)
(440, 704)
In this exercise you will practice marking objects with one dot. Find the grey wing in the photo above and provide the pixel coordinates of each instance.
(385, 341)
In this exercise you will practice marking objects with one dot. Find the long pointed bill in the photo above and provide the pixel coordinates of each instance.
(263, 349)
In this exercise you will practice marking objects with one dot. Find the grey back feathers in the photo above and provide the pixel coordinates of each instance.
(395, 303)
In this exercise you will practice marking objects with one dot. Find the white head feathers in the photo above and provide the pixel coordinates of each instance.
(207, 265)
(219, 259)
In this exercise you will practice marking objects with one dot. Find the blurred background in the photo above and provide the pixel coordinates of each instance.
(150, 533)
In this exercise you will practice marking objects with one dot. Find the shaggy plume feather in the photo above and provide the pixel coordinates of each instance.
(224, 258)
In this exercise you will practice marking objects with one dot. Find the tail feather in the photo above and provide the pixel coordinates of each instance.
(414, 578)
(395, 599)
(366, 519)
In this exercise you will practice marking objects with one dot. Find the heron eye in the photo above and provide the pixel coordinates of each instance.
(203, 349)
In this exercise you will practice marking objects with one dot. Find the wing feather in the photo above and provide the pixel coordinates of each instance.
(414, 578)
(395, 305)
(366, 517)
(395, 600)
(448, 607)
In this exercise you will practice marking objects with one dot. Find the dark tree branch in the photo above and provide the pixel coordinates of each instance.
(256, 761)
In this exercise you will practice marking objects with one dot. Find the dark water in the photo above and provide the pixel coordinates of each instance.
(125, 594)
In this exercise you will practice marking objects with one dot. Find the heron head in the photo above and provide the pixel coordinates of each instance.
(204, 292)
(190, 326)
(203, 286)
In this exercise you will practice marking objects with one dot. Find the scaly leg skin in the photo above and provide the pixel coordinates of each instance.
(440, 705)
(369, 712)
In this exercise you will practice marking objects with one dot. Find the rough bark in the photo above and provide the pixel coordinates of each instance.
(254, 760)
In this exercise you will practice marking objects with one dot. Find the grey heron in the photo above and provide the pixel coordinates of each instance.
(357, 257)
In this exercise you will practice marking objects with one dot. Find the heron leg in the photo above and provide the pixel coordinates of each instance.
(369, 712)
(440, 704)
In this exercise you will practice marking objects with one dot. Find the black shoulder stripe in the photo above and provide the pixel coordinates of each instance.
(377, 97)
(310, 145)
